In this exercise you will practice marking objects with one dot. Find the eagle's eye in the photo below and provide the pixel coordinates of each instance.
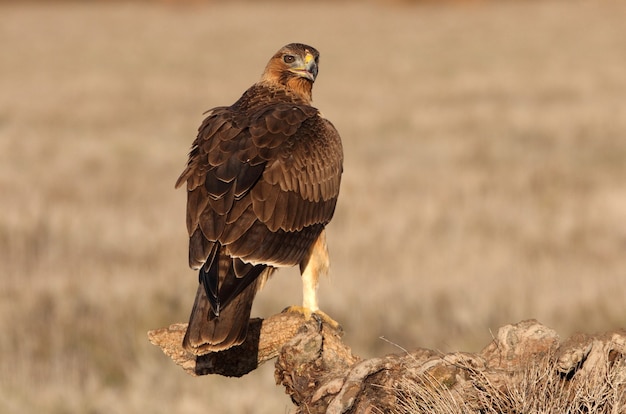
(288, 58)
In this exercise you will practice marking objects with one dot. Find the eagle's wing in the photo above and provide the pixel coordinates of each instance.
(296, 195)
(260, 190)
(282, 169)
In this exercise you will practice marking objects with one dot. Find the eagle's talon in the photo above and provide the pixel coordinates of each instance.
(320, 317)
(326, 319)
(300, 310)
(318, 320)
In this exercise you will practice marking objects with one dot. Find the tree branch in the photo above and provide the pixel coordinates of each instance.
(524, 368)
(264, 340)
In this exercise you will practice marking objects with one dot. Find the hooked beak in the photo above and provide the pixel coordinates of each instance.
(309, 69)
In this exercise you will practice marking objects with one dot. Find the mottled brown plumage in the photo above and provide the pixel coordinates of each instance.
(262, 183)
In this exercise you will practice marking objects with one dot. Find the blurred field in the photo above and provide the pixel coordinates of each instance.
(485, 183)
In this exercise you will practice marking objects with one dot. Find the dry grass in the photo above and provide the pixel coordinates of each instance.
(538, 388)
(485, 182)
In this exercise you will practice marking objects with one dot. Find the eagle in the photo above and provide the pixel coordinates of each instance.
(262, 178)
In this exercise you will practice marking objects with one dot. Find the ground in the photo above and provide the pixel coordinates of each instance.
(484, 182)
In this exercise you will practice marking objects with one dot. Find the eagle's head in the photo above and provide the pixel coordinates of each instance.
(295, 67)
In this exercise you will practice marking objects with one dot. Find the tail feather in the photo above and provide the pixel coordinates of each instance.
(210, 333)
(224, 277)
(220, 314)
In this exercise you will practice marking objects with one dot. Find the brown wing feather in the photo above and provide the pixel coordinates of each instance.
(286, 164)
(304, 176)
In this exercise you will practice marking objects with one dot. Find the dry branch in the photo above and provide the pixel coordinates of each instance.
(265, 339)
(524, 361)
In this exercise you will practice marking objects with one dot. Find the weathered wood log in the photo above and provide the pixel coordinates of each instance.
(264, 341)
(525, 368)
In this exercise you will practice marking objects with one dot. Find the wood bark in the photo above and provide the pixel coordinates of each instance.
(321, 375)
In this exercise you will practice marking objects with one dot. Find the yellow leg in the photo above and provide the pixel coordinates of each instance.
(315, 263)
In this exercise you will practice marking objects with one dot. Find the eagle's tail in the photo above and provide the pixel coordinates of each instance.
(210, 333)
(220, 314)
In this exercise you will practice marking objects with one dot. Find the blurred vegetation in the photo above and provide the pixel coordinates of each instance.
(484, 182)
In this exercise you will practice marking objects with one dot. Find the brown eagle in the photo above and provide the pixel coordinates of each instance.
(262, 183)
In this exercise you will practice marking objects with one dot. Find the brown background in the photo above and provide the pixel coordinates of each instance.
(485, 182)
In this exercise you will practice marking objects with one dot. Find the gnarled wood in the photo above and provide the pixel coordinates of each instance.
(524, 363)
(265, 338)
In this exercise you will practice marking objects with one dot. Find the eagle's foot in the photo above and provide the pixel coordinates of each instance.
(320, 316)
